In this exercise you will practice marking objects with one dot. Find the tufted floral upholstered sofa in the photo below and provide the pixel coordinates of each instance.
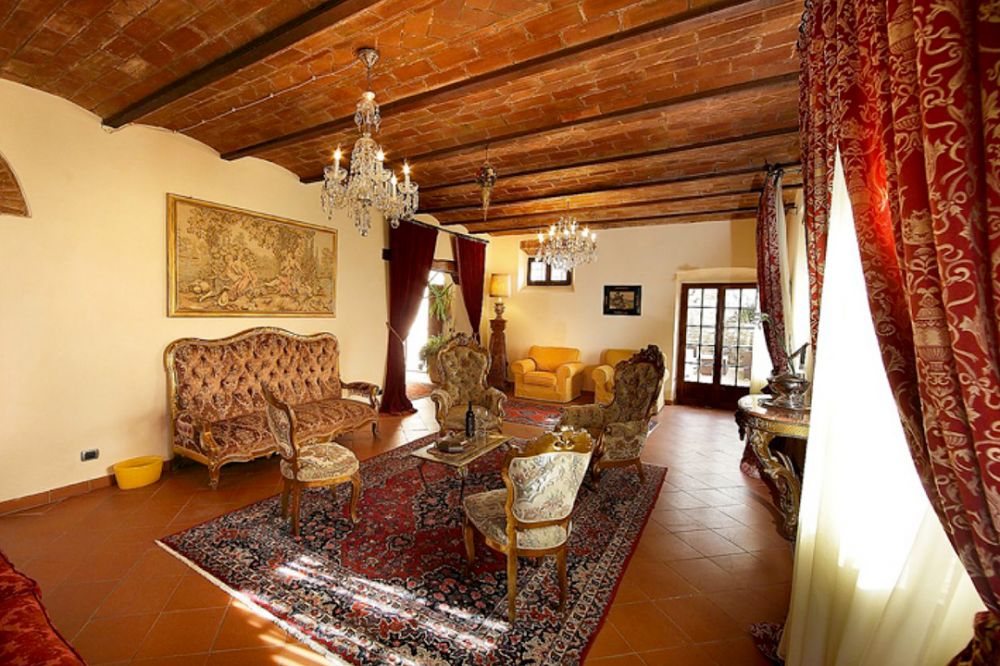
(217, 407)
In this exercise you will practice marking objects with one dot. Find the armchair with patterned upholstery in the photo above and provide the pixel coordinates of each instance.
(621, 427)
(464, 365)
(549, 373)
(602, 376)
(531, 515)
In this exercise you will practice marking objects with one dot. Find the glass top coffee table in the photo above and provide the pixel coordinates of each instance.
(474, 449)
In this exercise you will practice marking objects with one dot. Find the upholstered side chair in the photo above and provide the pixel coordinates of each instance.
(531, 516)
(621, 427)
(464, 364)
(310, 465)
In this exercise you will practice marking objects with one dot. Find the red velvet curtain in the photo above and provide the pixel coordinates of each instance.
(411, 253)
(769, 272)
(470, 256)
(908, 90)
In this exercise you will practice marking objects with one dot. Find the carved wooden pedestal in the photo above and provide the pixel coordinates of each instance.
(498, 354)
(761, 422)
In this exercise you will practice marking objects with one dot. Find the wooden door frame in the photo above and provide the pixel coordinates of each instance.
(707, 397)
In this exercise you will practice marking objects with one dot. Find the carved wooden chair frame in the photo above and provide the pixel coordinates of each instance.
(293, 487)
(566, 441)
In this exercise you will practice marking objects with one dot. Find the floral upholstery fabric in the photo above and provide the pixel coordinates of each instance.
(27, 637)
(318, 462)
(624, 440)
(636, 385)
(464, 366)
(221, 381)
(217, 392)
(545, 485)
(486, 512)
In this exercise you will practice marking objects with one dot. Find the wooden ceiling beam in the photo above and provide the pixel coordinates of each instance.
(726, 215)
(492, 79)
(698, 145)
(317, 19)
(565, 198)
(780, 79)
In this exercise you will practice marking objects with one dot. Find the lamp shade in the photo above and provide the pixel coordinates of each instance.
(499, 285)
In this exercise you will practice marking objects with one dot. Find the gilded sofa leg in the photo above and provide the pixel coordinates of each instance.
(511, 586)
(375, 428)
(355, 495)
(213, 476)
(642, 473)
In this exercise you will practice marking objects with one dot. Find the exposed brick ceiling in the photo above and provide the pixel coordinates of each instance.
(626, 111)
(11, 197)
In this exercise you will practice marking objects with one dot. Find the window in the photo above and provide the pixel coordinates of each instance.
(540, 274)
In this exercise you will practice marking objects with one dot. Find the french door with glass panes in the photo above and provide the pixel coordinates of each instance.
(716, 347)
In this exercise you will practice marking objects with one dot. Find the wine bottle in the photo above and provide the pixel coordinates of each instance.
(470, 422)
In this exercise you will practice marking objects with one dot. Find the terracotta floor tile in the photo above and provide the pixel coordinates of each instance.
(738, 651)
(107, 640)
(645, 627)
(620, 660)
(195, 591)
(608, 643)
(685, 655)
(138, 594)
(709, 542)
(242, 628)
(71, 606)
(707, 576)
(182, 632)
(73, 545)
(700, 619)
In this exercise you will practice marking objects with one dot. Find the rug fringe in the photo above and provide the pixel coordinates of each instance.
(258, 610)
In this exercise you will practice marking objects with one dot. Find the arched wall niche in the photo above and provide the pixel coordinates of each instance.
(12, 201)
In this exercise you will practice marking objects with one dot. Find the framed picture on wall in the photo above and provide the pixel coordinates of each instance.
(623, 300)
(229, 262)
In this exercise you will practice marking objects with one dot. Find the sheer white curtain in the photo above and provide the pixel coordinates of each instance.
(876, 581)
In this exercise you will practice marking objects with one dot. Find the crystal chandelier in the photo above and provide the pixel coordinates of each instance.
(366, 183)
(566, 245)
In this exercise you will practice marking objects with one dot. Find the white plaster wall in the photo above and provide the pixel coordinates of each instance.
(648, 256)
(83, 285)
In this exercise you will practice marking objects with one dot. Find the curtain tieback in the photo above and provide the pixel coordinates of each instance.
(393, 331)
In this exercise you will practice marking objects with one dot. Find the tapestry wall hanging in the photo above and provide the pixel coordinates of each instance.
(229, 262)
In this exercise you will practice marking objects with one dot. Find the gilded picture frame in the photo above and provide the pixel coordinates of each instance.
(224, 261)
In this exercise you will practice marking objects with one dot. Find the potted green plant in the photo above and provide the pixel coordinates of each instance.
(440, 298)
(429, 352)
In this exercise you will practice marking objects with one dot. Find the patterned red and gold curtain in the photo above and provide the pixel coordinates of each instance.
(769, 273)
(908, 91)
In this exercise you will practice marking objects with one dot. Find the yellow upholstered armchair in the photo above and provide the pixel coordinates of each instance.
(603, 376)
(464, 365)
(622, 426)
(531, 516)
(549, 373)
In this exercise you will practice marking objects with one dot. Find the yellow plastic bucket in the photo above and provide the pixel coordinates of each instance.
(138, 472)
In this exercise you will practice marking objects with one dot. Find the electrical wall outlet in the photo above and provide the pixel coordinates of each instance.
(89, 454)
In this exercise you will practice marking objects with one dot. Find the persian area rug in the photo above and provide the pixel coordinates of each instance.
(531, 413)
(418, 390)
(392, 589)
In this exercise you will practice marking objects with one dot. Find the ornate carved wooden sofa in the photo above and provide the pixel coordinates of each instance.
(217, 407)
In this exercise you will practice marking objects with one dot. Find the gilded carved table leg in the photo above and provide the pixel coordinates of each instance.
(779, 469)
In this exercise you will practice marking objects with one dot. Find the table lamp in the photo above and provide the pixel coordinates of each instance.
(499, 288)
